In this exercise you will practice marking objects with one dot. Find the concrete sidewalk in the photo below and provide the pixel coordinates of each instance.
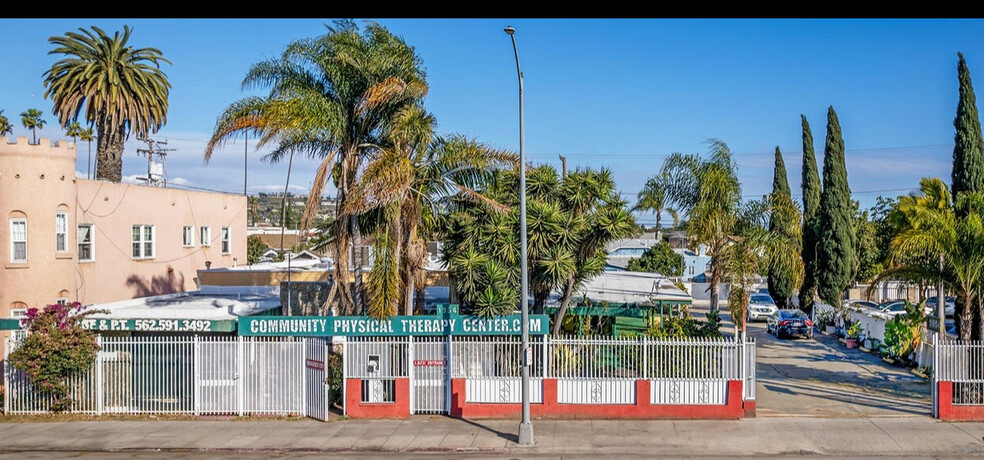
(917, 436)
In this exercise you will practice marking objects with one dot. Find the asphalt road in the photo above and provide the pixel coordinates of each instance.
(822, 378)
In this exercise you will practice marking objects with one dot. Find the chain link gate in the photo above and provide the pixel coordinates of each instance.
(315, 378)
(429, 378)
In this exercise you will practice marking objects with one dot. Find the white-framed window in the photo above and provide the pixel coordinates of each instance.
(143, 241)
(61, 232)
(85, 238)
(226, 241)
(205, 235)
(188, 236)
(18, 240)
(62, 301)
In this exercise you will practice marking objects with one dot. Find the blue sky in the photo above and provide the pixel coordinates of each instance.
(615, 93)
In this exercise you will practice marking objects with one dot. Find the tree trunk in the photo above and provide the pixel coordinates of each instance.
(109, 154)
(965, 312)
(408, 304)
(564, 303)
(715, 280)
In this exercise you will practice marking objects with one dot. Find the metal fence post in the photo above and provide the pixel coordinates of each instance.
(645, 358)
(240, 374)
(196, 376)
(6, 374)
(447, 374)
(344, 375)
(410, 369)
(100, 389)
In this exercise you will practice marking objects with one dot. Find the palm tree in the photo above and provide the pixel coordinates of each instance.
(653, 198)
(31, 119)
(709, 193)
(6, 128)
(331, 97)
(932, 234)
(402, 191)
(120, 88)
(86, 135)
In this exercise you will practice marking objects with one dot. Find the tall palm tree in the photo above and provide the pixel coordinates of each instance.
(707, 190)
(932, 232)
(121, 89)
(403, 189)
(6, 128)
(73, 130)
(332, 97)
(87, 136)
(653, 198)
(31, 119)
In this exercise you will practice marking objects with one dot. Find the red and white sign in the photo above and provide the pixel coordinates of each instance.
(314, 364)
(428, 362)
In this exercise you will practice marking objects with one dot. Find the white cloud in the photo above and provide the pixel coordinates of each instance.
(179, 181)
(79, 174)
(275, 188)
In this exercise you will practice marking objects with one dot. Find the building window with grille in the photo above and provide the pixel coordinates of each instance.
(143, 241)
(226, 243)
(205, 234)
(84, 238)
(18, 240)
(61, 232)
(188, 236)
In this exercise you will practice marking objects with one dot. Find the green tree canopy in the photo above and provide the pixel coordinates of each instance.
(968, 157)
(659, 258)
(811, 213)
(836, 246)
(782, 224)
(31, 119)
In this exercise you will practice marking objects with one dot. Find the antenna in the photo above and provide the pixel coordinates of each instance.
(156, 170)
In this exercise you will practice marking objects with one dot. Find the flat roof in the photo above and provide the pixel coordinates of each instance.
(210, 302)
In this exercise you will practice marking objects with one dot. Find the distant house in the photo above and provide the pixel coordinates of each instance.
(623, 250)
(694, 263)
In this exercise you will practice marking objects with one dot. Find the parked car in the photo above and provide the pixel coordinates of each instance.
(789, 323)
(892, 308)
(761, 307)
(858, 303)
(949, 307)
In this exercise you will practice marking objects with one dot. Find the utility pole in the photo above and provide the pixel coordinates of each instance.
(525, 426)
(156, 171)
(563, 166)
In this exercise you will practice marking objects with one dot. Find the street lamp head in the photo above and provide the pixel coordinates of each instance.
(510, 30)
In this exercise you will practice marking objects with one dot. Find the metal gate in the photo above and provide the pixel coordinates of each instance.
(315, 382)
(429, 378)
(219, 368)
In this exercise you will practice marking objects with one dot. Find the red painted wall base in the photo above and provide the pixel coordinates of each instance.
(355, 408)
(749, 406)
(952, 413)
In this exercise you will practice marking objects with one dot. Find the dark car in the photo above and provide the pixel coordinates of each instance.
(789, 323)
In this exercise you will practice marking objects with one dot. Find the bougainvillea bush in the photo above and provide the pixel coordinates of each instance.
(56, 348)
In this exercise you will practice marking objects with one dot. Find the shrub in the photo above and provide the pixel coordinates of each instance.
(903, 334)
(56, 348)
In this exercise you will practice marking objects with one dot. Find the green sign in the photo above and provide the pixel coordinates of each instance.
(360, 326)
(142, 325)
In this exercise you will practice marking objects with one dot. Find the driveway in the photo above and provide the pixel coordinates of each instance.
(822, 378)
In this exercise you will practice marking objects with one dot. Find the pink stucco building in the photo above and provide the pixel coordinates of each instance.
(68, 239)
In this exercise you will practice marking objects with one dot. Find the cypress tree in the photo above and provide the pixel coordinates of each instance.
(781, 281)
(968, 159)
(811, 207)
(835, 248)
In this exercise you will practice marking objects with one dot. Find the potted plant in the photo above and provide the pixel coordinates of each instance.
(853, 332)
(825, 321)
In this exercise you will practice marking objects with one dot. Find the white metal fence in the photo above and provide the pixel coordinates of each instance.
(190, 375)
(588, 370)
(961, 362)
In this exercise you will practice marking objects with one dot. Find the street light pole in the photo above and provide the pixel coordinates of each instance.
(525, 427)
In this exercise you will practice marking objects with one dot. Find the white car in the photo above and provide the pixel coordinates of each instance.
(761, 307)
